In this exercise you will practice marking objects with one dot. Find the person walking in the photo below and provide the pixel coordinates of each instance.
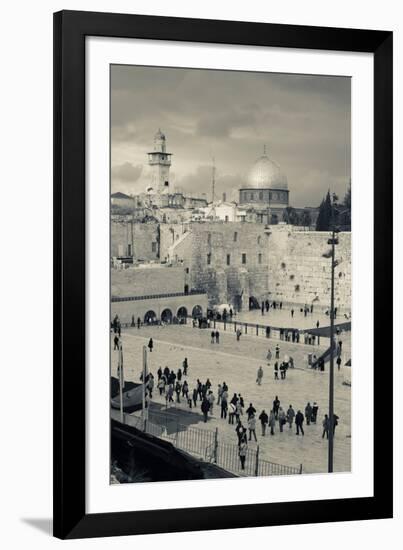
(150, 344)
(276, 406)
(159, 373)
(231, 413)
(272, 422)
(219, 393)
(338, 362)
(325, 425)
(290, 416)
(269, 355)
(170, 393)
(281, 418)
(211, 399)
(238, 410)
(185, 389)
(224, 405)
(178, 388)
(276, 370)
(116, 342)
(194, 396)
(240, 431)
(185, 367)
(161, 385)
(243, 447)
(308, 413)
(217, 337)
(252, 427)
(315, 409)
(238, 334)
(259, 376)
(292, 312)
(277, 351)
(299, 421)
(205, 406)
(335, 423)
(250, 411)
(264, 419)
(150, 385)
(179, 374)
(212, 337)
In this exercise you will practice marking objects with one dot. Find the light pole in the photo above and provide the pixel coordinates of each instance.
(333, 241)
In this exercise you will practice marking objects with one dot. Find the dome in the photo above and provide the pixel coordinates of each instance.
(266, 174)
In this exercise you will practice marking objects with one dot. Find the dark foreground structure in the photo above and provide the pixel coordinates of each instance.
(140, 457)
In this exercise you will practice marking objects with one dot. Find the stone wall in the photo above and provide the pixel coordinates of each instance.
(234, 261)
(227, 260)
(147, 280)
(298, 272)
(140, 240)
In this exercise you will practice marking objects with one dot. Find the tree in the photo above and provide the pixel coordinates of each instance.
(324, 220)
(347, 197)
(290, 215)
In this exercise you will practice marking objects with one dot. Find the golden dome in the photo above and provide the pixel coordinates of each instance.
(266, 174)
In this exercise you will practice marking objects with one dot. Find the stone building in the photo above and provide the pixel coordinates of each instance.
(265, 191)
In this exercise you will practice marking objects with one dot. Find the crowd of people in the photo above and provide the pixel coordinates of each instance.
(175, 387)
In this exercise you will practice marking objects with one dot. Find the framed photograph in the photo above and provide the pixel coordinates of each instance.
(223, 271)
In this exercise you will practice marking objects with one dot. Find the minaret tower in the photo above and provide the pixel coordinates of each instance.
(159, 161)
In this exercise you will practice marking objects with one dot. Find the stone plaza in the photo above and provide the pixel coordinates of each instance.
(236, 363)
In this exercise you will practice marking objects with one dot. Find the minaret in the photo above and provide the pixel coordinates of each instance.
(159, 161)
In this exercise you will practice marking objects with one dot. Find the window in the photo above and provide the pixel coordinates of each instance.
(154, 247)
(235, 236)
(208, 259)
(228, 259)
(244, 258)
(187, 270)
(259, 239)
(259, 258)
(129, 249)
(270, 196)
(226, 218)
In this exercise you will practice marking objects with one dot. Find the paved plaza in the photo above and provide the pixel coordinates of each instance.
(236, 363)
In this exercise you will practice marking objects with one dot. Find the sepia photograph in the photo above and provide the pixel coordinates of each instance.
(230, 274)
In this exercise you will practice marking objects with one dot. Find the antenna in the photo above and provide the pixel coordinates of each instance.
(213, 181)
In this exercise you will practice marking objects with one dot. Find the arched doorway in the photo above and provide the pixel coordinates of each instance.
(150, 317)
(182, 313)
(166, 316)
(253, 303)
(197, 312)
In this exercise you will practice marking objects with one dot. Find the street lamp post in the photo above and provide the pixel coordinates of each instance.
(333, 241)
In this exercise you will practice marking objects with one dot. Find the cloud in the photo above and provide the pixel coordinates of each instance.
(126, 172)
(304, 121)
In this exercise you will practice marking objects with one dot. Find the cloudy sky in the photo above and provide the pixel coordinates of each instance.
(303, 120)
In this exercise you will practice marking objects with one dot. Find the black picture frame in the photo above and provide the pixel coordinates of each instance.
(70, 30)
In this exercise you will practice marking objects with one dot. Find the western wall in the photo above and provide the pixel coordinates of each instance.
(235, 261)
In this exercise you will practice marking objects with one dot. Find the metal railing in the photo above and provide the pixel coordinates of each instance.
(291, 335)
(206, 446)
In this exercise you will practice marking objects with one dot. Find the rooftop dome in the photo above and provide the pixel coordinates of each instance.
(266, 174)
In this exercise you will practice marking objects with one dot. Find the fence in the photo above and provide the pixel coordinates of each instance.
(206, 446)
(293, 335)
